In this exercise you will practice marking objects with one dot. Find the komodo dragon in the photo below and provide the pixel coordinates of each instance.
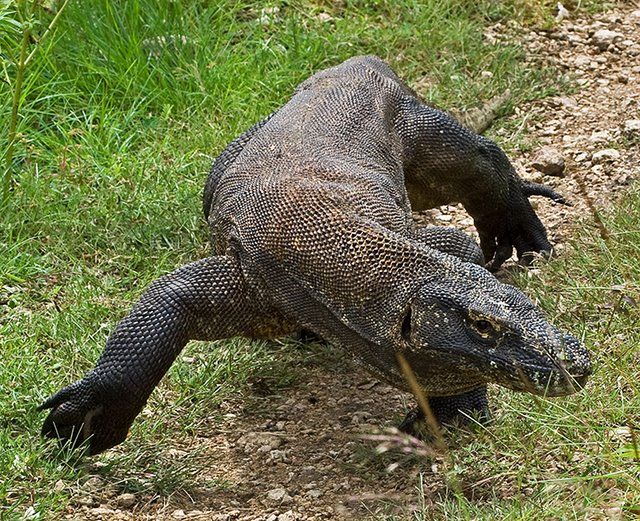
(310, 217)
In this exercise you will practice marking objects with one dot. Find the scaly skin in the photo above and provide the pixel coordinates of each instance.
(311, 225)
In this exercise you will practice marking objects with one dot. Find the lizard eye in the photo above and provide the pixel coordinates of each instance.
(405, 328)
(483, 326)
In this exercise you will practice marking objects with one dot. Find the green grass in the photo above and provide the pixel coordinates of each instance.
(122, 111)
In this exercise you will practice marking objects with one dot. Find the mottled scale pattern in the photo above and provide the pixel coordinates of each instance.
(311, 228)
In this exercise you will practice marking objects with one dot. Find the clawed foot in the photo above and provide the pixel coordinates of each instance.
(416, 425)
(79, 415)
(516, 227)
(458, 411)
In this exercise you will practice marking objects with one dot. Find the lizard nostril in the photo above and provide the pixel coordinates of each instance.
(577, 358)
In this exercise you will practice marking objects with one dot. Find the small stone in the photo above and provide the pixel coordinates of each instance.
(603, 38)
(59, 486)
(279, 495)
(126, 500)
(279, 455)
(260, 441)
(361, 416)
(549, 161)
(314, 493)
(178, 514)
(570, 103)
(600, 136)
(289, 515)
(533, 176)
(614, 513)
(176, 453)
(606, 155)
(581, 157)
(101, 511)
(621, 432)
(309, 474)
(444, 218)
(562, 12)
(324, 17)
(581, 61)
(86, 501)
(93, 483)
(632, 126)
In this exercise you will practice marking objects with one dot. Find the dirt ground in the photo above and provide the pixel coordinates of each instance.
(299, 455)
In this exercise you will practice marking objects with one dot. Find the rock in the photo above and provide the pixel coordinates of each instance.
(178, 514)
(324, 17)
(603, 38)
(279, 495)
(632, 126)
(309, 474)
(361, 416)
(600, 136)
(549, 161)
(279, 455)
(260, 441)
(614, 513)
(606, 155)
(533, 176)
(86, 501)
(562, 12)
(269, 15)
(101, 511)
(93, 483)
(126, 500)
(581, 61)
(289, 515)
(59, 486)
(314, 493)
(570, 103)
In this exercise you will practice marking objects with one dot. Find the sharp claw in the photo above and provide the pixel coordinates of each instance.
(503, 252)
(58, 398)
(529, 188)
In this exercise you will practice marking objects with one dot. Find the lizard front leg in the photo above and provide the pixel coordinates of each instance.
(445, 162)
(205, 300)
(459, 408)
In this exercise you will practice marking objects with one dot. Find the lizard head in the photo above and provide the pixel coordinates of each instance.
(486, 331)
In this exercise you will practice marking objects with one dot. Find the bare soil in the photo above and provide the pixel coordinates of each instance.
(300, 455)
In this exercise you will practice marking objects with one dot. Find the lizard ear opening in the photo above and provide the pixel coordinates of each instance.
(405, 328)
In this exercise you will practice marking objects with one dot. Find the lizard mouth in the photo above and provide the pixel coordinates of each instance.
(545, 381)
